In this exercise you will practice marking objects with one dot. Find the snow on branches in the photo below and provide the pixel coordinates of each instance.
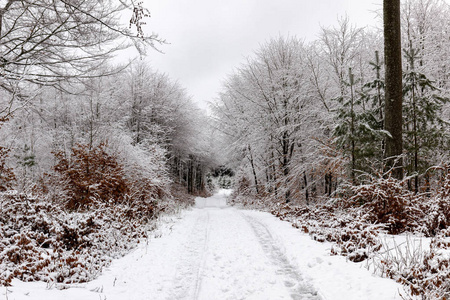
(139, 13)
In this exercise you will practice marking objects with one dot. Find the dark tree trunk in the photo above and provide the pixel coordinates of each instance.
(190, 176)
(274, 172)
(305, 179)
(393, 99)
(253, 169)
(328, 184)
(352, 125)
(200, 185)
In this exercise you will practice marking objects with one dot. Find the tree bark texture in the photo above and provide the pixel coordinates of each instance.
(393, 99)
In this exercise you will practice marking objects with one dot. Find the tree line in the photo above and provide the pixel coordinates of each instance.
(303, 118)
(63, 100)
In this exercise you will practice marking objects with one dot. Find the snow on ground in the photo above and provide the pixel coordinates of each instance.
(219, 252)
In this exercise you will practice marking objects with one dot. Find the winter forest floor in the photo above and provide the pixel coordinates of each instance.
(218, 252)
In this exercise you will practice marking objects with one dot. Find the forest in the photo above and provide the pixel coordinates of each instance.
(92, 152)
(304, 118)
(307, 127)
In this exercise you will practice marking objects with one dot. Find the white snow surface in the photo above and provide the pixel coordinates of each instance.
(219, 252)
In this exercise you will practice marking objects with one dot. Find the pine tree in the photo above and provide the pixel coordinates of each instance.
(359, 132)
(424, 130)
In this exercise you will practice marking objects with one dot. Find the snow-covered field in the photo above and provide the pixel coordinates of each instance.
(219, 252)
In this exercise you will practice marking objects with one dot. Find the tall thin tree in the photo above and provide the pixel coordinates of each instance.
(393, 99)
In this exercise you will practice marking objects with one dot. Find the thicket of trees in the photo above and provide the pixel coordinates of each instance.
(140, 116)
(302, 118)
(59, 93)
(90, 153)
(340, 124)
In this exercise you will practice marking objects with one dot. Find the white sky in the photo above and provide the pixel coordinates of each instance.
(209, 38)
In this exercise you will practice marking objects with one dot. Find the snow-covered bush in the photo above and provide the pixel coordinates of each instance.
(424, 271)
(6, 173)
(386, 201)
(356, 220)
(244, 194)
(437, 208)
(91, 174)
(39, 240)
(351, 236)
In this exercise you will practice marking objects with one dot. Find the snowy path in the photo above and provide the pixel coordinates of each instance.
(217, 252)
(229, 255)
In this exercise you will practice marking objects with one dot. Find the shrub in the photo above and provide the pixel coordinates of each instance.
(354, 223)
(40, 241)
(436, 208)
(352, 237)
(91, 174)
(6, 174)
(387, 201)
(424, 273)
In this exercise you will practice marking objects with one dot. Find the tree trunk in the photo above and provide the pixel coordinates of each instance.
(285, 165)
(305, 179)
(352, 125)
(190, 175)
(380, 103)
(253, 169)
(393, 99)
(413, 98)
(328, 184)
(274, 172)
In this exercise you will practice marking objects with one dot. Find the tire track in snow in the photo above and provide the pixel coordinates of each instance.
(187, 283)
(198, 281)
(294, 281)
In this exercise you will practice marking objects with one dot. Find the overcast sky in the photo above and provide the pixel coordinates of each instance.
(209, 38)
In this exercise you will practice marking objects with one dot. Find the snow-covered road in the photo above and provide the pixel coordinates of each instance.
(228, 254)
(218, 252)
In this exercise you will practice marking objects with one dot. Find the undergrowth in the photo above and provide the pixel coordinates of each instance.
(79, 218)
(356, 221)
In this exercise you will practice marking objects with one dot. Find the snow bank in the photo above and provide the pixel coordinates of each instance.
(335, 277)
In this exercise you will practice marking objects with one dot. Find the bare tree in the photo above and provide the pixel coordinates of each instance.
(264, 110)
(393, 99)
(49, 41)
(341, 46)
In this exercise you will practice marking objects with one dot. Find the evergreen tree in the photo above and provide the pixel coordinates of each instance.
(424, 130)
(359, 132)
